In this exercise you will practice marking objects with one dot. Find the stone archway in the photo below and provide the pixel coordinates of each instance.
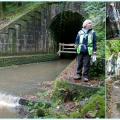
(65, 26)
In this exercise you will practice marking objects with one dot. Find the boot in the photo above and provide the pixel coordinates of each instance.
(77, 77)
(85, 79)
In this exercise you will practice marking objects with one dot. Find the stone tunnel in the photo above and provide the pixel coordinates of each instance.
(41, 30)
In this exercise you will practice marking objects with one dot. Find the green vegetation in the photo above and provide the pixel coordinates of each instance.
(96, 106)
(112, 46)
(97, 69)
(11, 10)
(26, 59)
(63, 93)
(39, 109)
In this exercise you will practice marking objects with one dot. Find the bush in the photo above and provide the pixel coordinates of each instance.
(64, 91)
(75, 114)
(96, 103)
(39, 109)
(98, 69)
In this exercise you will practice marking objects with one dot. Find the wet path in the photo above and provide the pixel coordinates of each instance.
(24, 79)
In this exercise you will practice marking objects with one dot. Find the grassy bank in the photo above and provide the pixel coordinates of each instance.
(26, 59)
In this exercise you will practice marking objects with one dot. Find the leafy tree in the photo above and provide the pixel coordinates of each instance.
(112, 46)
(12, 8)
(96, 12)
(2, 8)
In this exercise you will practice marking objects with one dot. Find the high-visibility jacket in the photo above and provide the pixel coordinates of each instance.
(89, 38)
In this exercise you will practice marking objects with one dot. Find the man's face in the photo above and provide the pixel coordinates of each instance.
(89, 25)
(112, 4)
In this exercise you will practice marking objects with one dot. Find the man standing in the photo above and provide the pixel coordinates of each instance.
(86, 47)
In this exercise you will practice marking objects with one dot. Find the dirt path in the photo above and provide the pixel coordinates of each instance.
(69, 73)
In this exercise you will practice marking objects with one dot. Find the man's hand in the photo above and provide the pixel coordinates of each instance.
(76, 46)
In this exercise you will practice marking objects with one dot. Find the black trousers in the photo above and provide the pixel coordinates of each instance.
(83, 64)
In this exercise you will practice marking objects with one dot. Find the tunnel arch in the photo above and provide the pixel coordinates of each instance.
(65, 26)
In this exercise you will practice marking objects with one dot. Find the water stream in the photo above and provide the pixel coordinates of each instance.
(23, 80)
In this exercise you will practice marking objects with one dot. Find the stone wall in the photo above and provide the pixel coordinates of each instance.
(31, 34)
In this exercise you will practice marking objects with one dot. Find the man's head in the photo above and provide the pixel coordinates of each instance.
(87, 24)
(112, 4)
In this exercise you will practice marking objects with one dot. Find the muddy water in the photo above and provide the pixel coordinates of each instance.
(24, 79)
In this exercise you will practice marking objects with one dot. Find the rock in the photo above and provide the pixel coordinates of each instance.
(83, 102)
(91, 114)
(23, 101)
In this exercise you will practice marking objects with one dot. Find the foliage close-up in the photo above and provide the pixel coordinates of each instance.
(112, 46)
(10, 10)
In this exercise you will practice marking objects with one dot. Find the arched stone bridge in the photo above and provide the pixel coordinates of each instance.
(41, 30)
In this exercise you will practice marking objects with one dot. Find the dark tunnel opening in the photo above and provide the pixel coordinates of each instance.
(65, 26)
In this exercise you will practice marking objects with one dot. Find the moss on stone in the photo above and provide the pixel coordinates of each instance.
(18, 60)
(64, 91)
(96, 105)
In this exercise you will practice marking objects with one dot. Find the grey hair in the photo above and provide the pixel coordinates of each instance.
(112, 4)
(86, 22)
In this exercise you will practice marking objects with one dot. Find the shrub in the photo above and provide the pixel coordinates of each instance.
(96, 103)
(64, 91)
(98, 69)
